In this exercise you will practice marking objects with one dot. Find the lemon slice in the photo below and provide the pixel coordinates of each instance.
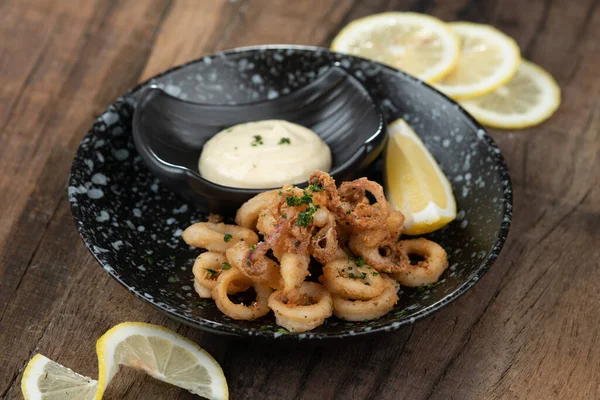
(415, 184)
(418, 44)
(488, 59)
(155, 350)
(162, 354)
(45, 379)
(528, 99)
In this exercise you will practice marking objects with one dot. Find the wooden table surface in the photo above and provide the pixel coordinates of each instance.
(530, 327)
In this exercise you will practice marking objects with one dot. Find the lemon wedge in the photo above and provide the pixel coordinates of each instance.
(488, 59)
(45, 379)
(418, 44)
(414, 182)
(155, 350)
(530, 98)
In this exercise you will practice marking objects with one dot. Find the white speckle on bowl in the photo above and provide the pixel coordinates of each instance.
(464, 224)
(256, 79)
(100, 249)
(186, 287)
(110, 118)
(130, 224)
(95, 194)
(103, 216)
(89, 163)
(141, 267)
(99, 143)
(117, 244)
(171, 221)
(100, 156)
(177, 233)
(121, 154)
(137, 212)
(99, 179)
(141, 228)
(181, 209)
(272, 94)
(446, 142)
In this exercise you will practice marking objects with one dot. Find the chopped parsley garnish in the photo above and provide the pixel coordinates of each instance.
(280, 193)
(348, 212)
(306, 217)
(225, 266)
(265, 328)
(172, 279)
(423, 288)
(375, 273)
(257, 140)
(284, 140)
(294, 201)
(229, 130)
(359, 262)
(248, 263)
(252, 247)
(149, 260)
(284, 216)
(315, 187)
(227, 237)
(210, 271)
(297, 243)
(282, 330)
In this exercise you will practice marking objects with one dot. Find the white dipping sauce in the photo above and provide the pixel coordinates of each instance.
(263, 154)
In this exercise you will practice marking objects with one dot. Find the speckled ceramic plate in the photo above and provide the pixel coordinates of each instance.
(132, 224)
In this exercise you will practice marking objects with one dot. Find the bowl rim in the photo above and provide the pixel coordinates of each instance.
(223, 329)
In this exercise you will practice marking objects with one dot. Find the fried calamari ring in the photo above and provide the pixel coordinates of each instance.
(272, 275)
(359, 310)
(426, 271)
(255, 310)
(248, 213)
(345, 279)
(217, 237)
(249, 262)
(356, 209)
(312, 306)
(207, 268)
(386, 257)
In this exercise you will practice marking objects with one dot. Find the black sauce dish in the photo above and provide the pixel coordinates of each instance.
(169, 133)
(132, 223)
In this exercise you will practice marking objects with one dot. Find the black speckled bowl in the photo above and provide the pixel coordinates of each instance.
(132, 224)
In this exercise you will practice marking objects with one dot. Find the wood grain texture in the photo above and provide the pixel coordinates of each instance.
(529, 329)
